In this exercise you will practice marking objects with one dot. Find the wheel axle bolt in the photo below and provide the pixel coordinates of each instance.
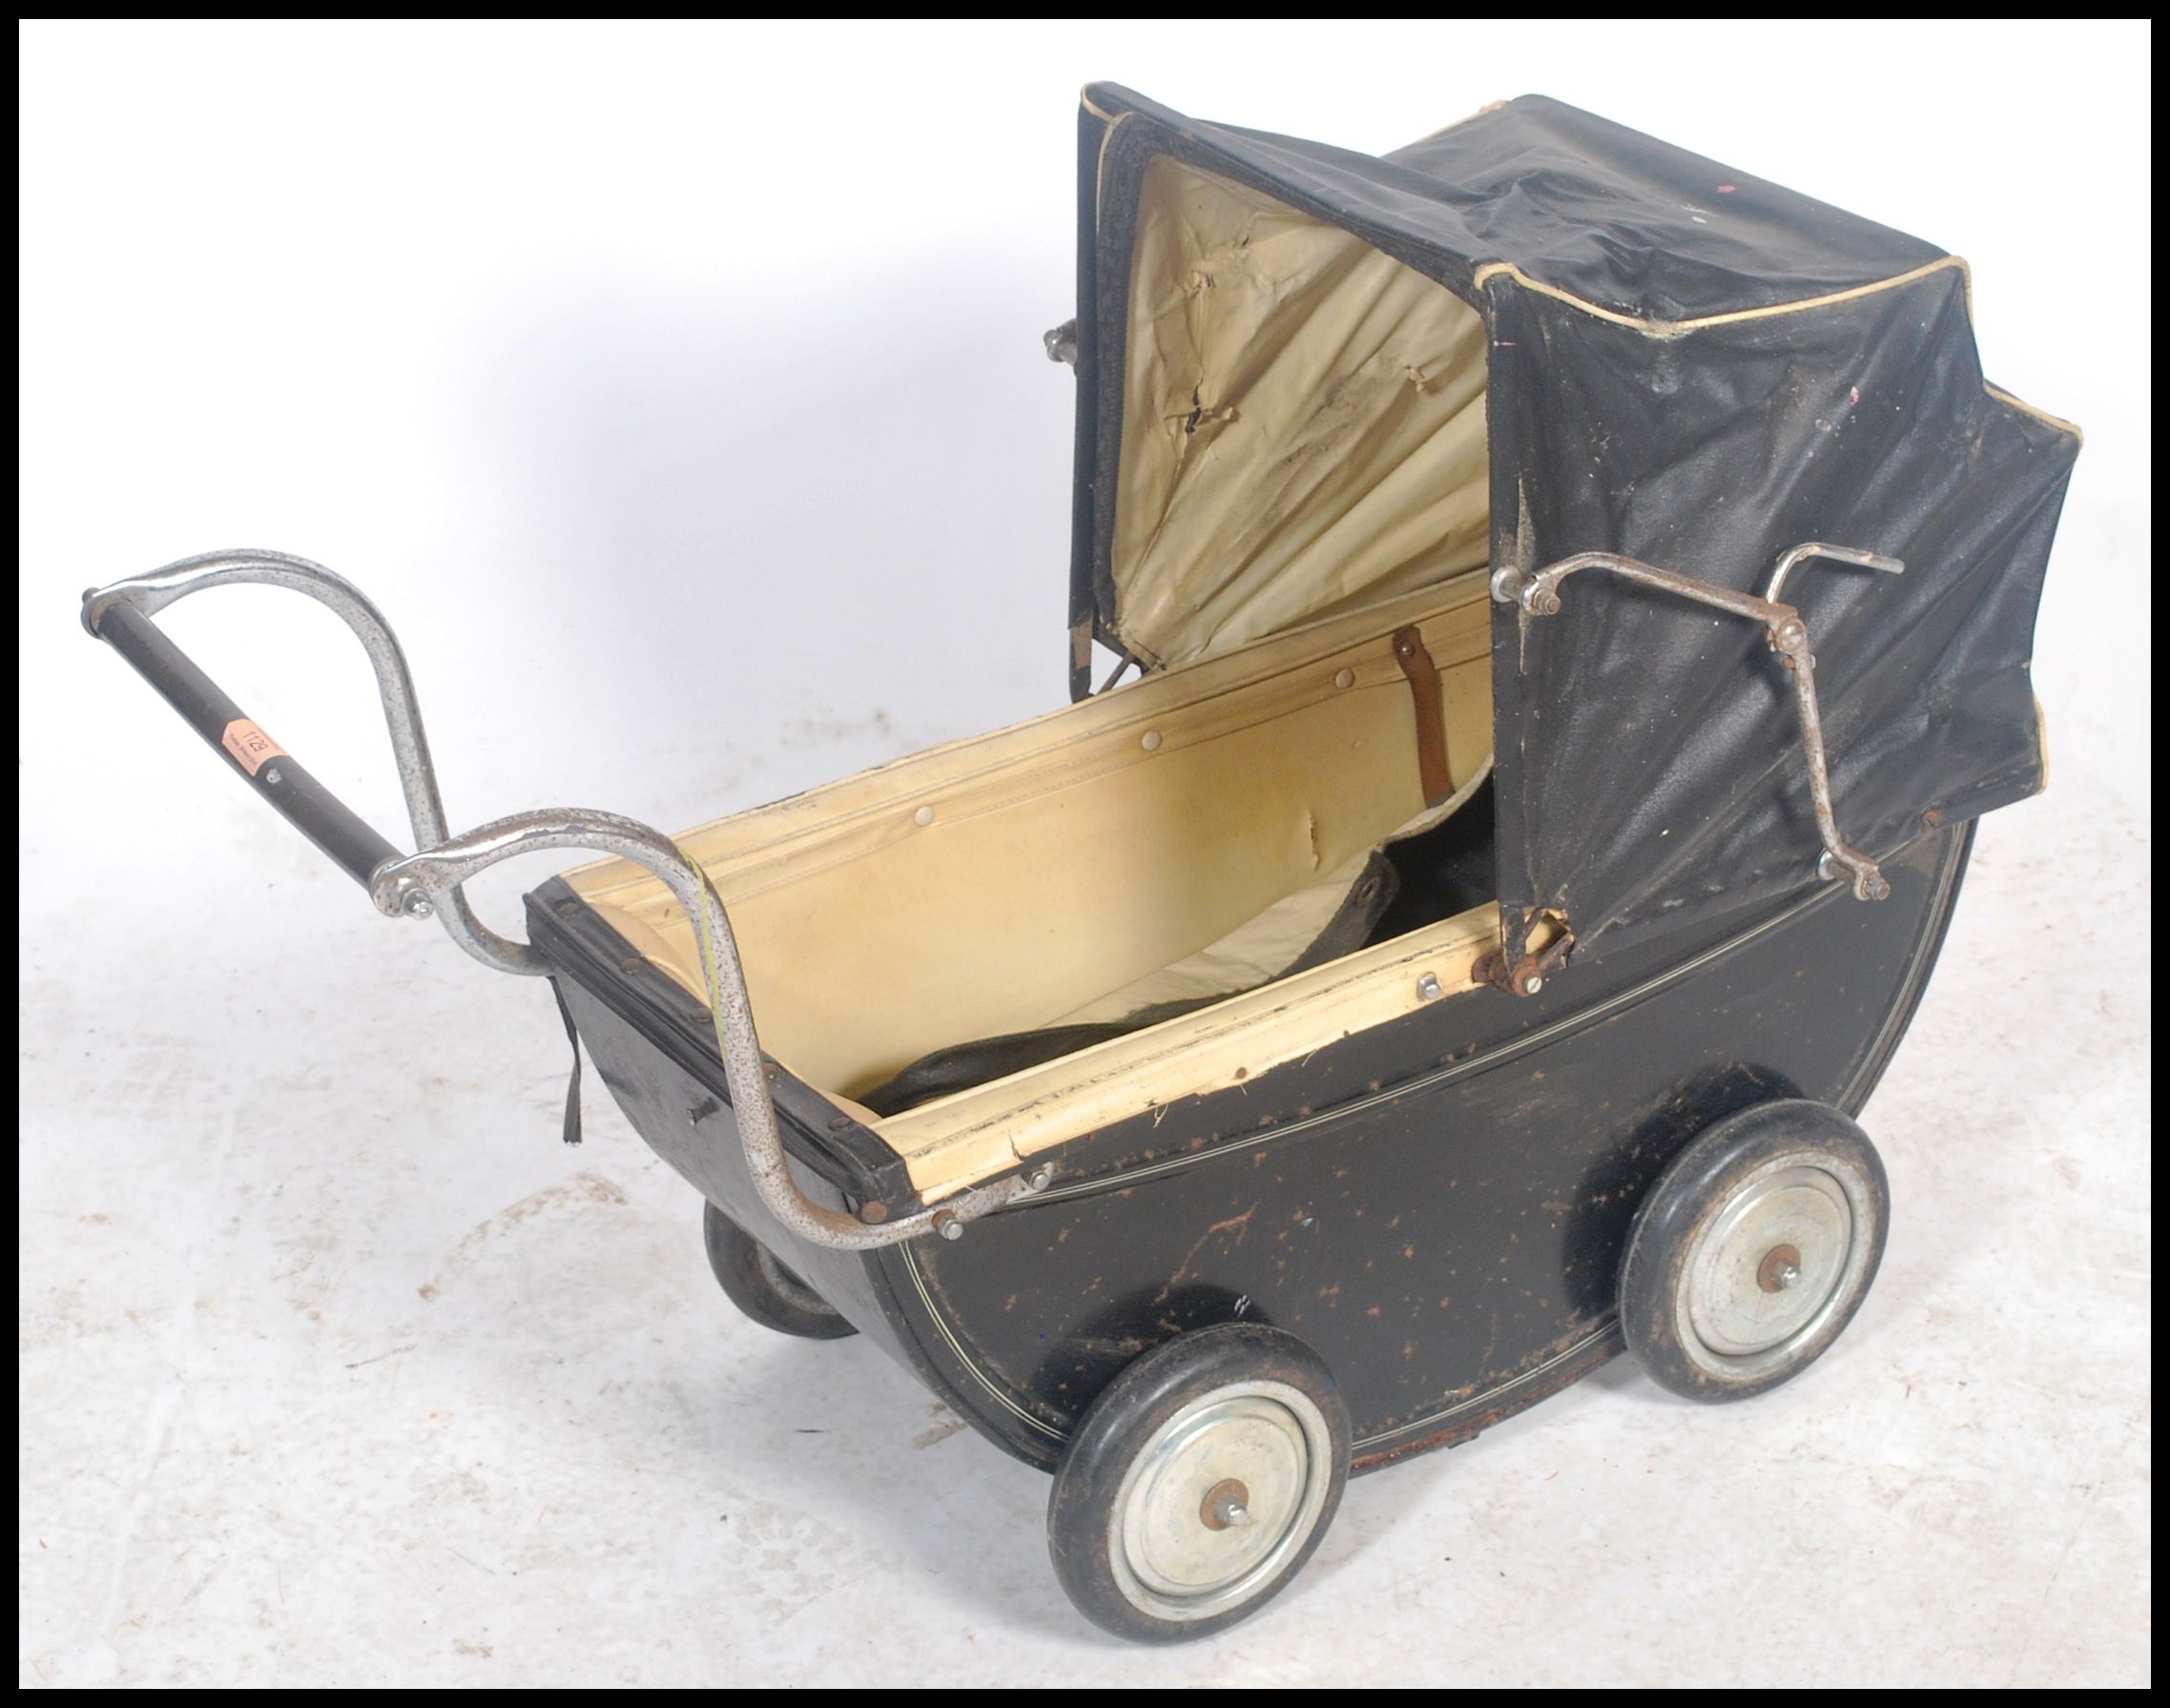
(1780, 1270)
(1227, 1506)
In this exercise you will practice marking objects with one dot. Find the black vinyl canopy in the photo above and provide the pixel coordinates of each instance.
(1686, 366)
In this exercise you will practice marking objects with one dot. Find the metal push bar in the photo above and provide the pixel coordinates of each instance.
(430, 881)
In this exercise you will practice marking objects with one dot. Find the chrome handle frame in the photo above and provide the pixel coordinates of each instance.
(442, 870)
(150, 594)
(1538, 595)
(431, 880)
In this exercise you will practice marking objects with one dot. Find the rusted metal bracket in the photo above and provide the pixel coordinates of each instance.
(1526, 977)
(1415, 662)
(1538, 595)
(1081, 659)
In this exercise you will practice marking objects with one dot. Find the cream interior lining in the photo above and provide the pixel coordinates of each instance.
(1303, 423)
(1002, 883)
(1265, 946)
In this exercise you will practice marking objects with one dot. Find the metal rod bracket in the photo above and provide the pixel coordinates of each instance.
(1538, 595)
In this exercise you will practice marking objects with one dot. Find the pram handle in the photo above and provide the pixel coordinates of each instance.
(431, 880)
(120, 615)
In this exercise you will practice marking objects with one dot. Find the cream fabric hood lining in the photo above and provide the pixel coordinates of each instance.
(1303, 423)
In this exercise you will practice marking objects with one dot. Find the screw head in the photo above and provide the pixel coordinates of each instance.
(1041, 1178)
(416, 905)
(949, 1226)
(1428, 988)
(1532, 984)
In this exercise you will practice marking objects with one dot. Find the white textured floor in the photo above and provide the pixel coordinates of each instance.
(338, 1367)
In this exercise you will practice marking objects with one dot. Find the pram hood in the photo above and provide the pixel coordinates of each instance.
(1310, 378)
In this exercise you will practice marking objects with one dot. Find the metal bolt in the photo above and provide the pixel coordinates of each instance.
(1041, 1178)
(925, 815)
(1345, 678)
(1227, 1506)
(1780, 1268)
(1532, 984)
(1428, 988)
(948, 1226)
(1150, 741)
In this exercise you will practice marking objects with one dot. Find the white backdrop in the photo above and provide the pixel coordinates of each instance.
(677, 392)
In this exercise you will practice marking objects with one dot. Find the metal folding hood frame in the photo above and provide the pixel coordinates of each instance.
(1538, 595)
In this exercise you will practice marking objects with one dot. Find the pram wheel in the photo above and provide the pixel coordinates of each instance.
(1198, 1483)
(1753, 1250)
(763, 1288)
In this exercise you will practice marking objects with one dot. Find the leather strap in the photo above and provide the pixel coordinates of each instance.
(573, 1088)
(1424, 675)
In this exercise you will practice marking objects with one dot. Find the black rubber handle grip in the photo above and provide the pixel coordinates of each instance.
(274, 774)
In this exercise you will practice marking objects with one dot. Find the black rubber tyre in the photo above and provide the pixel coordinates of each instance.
(1198, 1483)
(762, 1287)
(1754, 1250)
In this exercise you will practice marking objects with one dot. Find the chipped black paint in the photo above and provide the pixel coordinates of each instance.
(1437, 1205)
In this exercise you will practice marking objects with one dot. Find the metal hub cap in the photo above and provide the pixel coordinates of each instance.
(1220, 1500)
(1771, 1266)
